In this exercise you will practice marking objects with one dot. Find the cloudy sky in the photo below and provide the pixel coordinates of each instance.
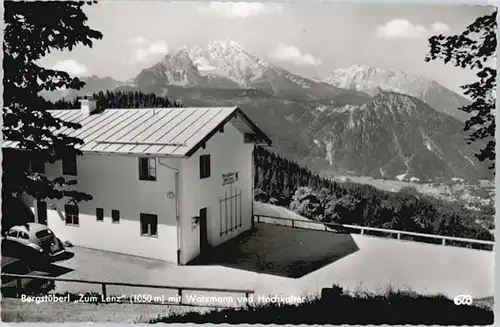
(309, 39)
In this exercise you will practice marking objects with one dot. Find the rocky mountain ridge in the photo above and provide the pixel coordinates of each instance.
(393, 136)
(372, 80)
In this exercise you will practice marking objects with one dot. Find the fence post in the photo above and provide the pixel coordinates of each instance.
(247, 295)
(362, 231)
(399, 236)
(19, 286)
(179, 292)
(104, 295)
(443, 242)
(293, 223)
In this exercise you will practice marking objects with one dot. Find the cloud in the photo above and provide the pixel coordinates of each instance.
(403, 29)
(146, 49)
(71, 66)
(439, 27)
(233, 10)
(293, 54)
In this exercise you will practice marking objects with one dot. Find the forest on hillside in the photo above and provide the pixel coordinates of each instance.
(283, 182)
(118, 99)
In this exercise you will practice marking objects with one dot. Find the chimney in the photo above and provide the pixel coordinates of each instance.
(88, 105)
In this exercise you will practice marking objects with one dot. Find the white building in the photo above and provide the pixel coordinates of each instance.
(166, 183)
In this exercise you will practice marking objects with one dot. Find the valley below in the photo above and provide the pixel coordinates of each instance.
(478, 196)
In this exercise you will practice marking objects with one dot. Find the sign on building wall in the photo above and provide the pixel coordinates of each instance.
(229, 178)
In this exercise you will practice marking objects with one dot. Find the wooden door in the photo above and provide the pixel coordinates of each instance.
(203, 231)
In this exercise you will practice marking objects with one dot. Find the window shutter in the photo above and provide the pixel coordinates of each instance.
(67, 212)
(143, 168)
(152, 168)
(154, 225)
(208, 166)
(201, 165)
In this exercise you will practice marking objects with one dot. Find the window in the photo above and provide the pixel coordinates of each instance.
(41, 212)
(37, 165)
(115, 216)
(99, 214)
(12, 233)
(149, 224)
(204, 166)
(24, 235)
(147, 169)
(44, 233)
(69, 165)
(71, 212)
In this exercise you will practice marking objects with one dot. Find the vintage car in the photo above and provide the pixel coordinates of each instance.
(14, 286)
(32, 241)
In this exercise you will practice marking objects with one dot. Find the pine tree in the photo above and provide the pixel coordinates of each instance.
(357, 203)
(117, 99)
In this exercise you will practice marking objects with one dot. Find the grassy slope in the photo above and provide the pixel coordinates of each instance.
(390, 308)
(14, 310)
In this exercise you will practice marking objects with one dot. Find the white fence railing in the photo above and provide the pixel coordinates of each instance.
(333, 227)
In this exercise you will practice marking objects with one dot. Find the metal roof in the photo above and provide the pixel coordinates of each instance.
(158, 131)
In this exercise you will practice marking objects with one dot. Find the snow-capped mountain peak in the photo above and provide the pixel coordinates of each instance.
(228, 59)
(362, 76)
(223, 64)
(372, 80)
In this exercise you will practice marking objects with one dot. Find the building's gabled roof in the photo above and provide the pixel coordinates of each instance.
(161, 131)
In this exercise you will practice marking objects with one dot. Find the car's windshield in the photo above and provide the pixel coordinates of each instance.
(43, 233)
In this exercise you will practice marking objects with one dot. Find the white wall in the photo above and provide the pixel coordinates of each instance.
(228, 153)
(114, 183)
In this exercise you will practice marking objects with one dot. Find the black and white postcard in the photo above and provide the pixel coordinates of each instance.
(248, 162)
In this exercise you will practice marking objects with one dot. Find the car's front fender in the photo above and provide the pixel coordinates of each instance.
(34, 246)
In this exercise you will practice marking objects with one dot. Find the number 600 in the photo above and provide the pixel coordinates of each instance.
(463, 299)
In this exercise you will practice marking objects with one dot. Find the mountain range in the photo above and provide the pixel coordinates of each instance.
(415, 140)
(361, 119)
(372, 80)
(227, 65)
